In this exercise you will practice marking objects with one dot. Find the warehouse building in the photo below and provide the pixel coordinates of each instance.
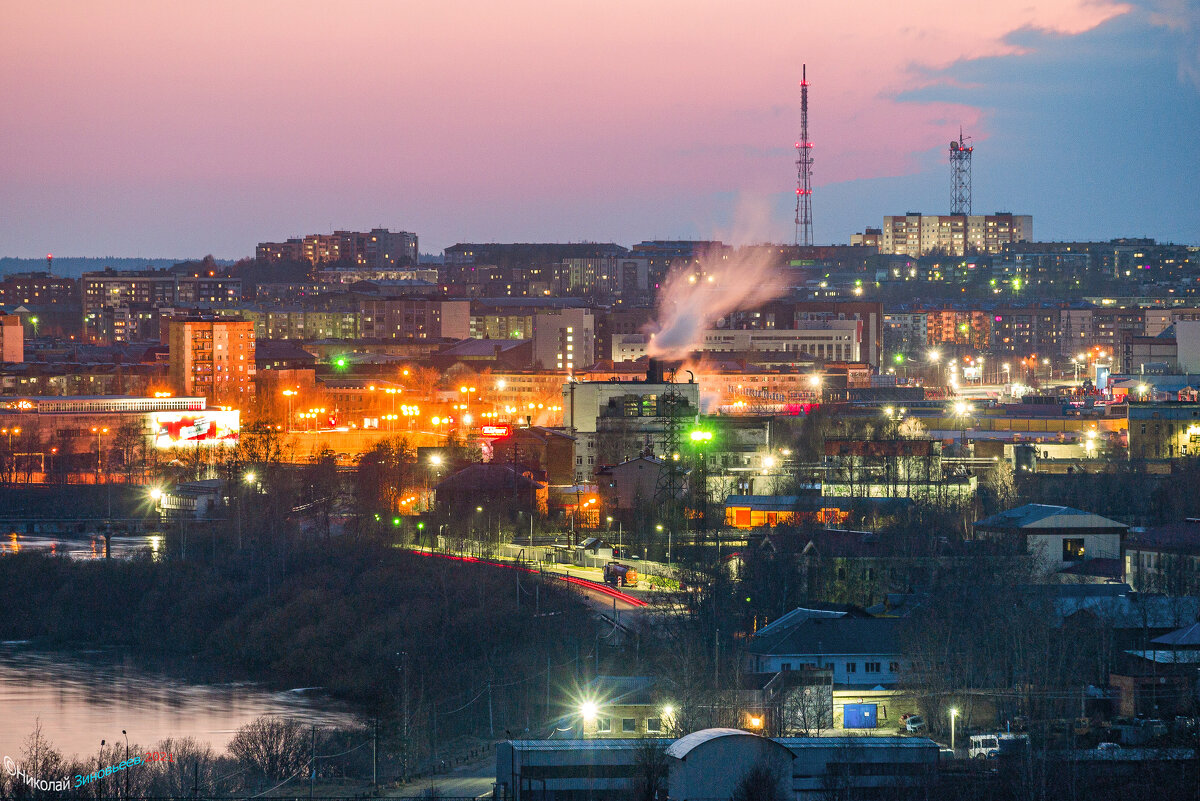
(712, 763)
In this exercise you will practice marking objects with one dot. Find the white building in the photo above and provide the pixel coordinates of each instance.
(564, 339)
(916, 234)
(834, 340)
(1058, 536)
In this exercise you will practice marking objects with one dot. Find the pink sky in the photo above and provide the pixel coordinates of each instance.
(296, 112)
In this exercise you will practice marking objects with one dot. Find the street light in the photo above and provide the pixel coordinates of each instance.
(98, 432)
(953, 715)
(289, 393)
(127, 772)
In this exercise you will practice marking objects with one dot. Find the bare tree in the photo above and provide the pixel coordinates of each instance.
(651, 770)
(760, 783)
(274, 748)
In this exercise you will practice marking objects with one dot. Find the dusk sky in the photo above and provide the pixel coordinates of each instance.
(180, 129)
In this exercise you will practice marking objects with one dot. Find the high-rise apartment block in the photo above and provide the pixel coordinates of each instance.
(38, 289)
(564, 339)
(146, 289)
(213, 358)
(415, 319)
(377, 249)
(916, 234)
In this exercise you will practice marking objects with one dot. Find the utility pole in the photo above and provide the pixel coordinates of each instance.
(312, 763)
(404, 706)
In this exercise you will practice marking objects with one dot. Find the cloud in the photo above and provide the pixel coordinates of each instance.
(1182, 17)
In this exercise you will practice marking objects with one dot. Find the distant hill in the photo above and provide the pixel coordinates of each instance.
(75, 266)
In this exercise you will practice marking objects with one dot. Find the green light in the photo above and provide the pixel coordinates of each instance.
(376, 518)
(340, 362)
(899, 358)
(395, 521)
(421, 526)
(701, 436)
(1016, 283)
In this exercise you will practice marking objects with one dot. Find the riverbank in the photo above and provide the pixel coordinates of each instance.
(391, 632)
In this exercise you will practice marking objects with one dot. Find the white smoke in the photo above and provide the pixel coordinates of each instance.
(697, 295)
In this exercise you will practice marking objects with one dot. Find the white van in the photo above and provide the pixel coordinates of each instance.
(985, 746)
(990, 746)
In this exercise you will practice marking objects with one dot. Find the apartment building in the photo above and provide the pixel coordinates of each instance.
(916, 234)
(212, 358)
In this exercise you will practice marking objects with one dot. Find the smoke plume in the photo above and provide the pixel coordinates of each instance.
(696, 295)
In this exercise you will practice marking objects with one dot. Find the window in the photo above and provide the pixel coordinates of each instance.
(1072, 550)
(893, 667)
(786, 666)
(603, 724)
(851, 667)
(628, 724)
(654, 724)
(871, 667)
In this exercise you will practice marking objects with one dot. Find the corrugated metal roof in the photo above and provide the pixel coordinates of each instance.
(580, 745)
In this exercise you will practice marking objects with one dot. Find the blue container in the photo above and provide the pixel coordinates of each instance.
(860, 716)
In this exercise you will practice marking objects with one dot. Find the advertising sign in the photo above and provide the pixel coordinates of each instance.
(182, 429)
(495, 430)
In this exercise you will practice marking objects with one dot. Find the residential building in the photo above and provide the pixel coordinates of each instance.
(564, 339)
(378, 249)
(12, 339)
(38, 289)
(412, 318)
(905, 332)
(1026, 330)
(213, 358)
(1058, 537)
(916, 234)
(869, 238)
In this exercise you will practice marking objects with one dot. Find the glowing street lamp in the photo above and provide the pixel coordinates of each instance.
(953, 715)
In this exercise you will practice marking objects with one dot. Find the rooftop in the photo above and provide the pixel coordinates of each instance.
(824, 635)
(1046, 517)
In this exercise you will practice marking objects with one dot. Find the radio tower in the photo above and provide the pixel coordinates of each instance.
(960, 169)
(804, 161)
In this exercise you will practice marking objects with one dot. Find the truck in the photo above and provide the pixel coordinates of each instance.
(617, 574)
(991, 746)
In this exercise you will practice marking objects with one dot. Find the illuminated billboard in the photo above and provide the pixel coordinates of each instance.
(496, 430)
(182, 429)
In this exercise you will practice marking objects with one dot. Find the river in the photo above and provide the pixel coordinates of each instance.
(83, 546)
(83, 698)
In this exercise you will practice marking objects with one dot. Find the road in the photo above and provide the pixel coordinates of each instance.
(602, 597)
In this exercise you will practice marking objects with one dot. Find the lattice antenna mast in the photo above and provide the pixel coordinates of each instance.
(804, 160)
(960, 171)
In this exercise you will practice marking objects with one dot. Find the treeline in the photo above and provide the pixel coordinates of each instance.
(269, 752)
(430, 647)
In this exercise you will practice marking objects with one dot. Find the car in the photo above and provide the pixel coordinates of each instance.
(914, 723)
(1108, 747)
